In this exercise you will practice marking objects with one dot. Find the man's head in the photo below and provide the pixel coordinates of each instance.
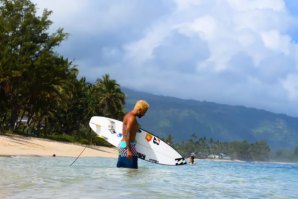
(141, 108)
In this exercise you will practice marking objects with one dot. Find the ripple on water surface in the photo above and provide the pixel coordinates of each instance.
(48, 177)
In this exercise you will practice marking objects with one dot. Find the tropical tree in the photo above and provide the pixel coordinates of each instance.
(41, 86)
(111, 99)
(32, 75)
(75, 112)
(260, 151)
(243, 150)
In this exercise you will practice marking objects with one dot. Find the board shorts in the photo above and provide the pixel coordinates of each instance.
(123, 161)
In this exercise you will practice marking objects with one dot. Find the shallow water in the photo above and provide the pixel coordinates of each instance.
(49, 177)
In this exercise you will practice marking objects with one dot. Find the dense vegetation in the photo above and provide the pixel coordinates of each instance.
(240, 150)
(40, 93)
(235, 150)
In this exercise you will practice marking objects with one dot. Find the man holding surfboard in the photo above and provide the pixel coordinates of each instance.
(128, 156)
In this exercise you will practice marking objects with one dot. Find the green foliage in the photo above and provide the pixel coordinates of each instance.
(26, 57)
(62, 137)
(39, 90)
(72, 139)
(286, 155)
(240, 150)
(110, 97)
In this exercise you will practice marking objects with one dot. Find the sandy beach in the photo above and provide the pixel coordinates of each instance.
(15, 145)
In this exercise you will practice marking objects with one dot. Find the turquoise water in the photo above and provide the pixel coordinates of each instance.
(44, 177)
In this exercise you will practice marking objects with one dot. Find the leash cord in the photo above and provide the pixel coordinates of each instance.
(78, 156)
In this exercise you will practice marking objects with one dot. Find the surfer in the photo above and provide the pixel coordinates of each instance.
(192, 158)
(128, 156)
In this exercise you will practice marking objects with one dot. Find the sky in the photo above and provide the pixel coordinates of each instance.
(236, 52)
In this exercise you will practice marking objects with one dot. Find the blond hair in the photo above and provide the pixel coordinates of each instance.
(142, 104)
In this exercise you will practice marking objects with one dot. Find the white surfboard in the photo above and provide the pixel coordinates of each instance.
(149, 147)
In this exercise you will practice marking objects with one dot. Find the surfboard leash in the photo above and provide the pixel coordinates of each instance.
(78, 156)
(83, 150)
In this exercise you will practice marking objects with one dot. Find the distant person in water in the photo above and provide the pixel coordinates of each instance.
(192, 158)
(128, 156)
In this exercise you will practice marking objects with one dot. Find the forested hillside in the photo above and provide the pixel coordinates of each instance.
(182, 118)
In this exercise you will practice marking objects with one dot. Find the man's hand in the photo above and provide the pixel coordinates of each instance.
(129, 154)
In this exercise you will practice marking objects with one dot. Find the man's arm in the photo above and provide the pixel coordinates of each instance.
(127, 135)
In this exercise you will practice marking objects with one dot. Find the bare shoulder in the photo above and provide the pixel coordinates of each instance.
(129, 118)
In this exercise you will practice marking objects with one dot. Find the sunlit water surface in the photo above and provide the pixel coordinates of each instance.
(53, 177)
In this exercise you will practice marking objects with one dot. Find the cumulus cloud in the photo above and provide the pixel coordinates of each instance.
(240, 52)
(291, 86)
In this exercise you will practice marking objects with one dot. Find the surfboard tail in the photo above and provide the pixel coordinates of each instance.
(180, 161)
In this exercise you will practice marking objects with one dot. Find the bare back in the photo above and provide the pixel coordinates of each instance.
(130, 127)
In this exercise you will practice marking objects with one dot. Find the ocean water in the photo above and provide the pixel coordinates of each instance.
(52, 177)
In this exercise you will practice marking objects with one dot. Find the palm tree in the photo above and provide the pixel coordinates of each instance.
(111, 99)
(49, 87)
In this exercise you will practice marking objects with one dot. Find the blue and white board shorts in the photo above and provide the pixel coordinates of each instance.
(123, 161)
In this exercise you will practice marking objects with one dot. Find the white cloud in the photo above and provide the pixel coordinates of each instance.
(229, 51)
(184, 5)
(65, 13)
(252, 5)
(141, 50)
(274, 41)
(204, 26)
(291, 86)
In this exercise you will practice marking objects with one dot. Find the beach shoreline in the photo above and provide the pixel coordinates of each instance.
(17, 145)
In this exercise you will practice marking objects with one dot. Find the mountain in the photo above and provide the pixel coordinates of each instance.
(181, 118)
